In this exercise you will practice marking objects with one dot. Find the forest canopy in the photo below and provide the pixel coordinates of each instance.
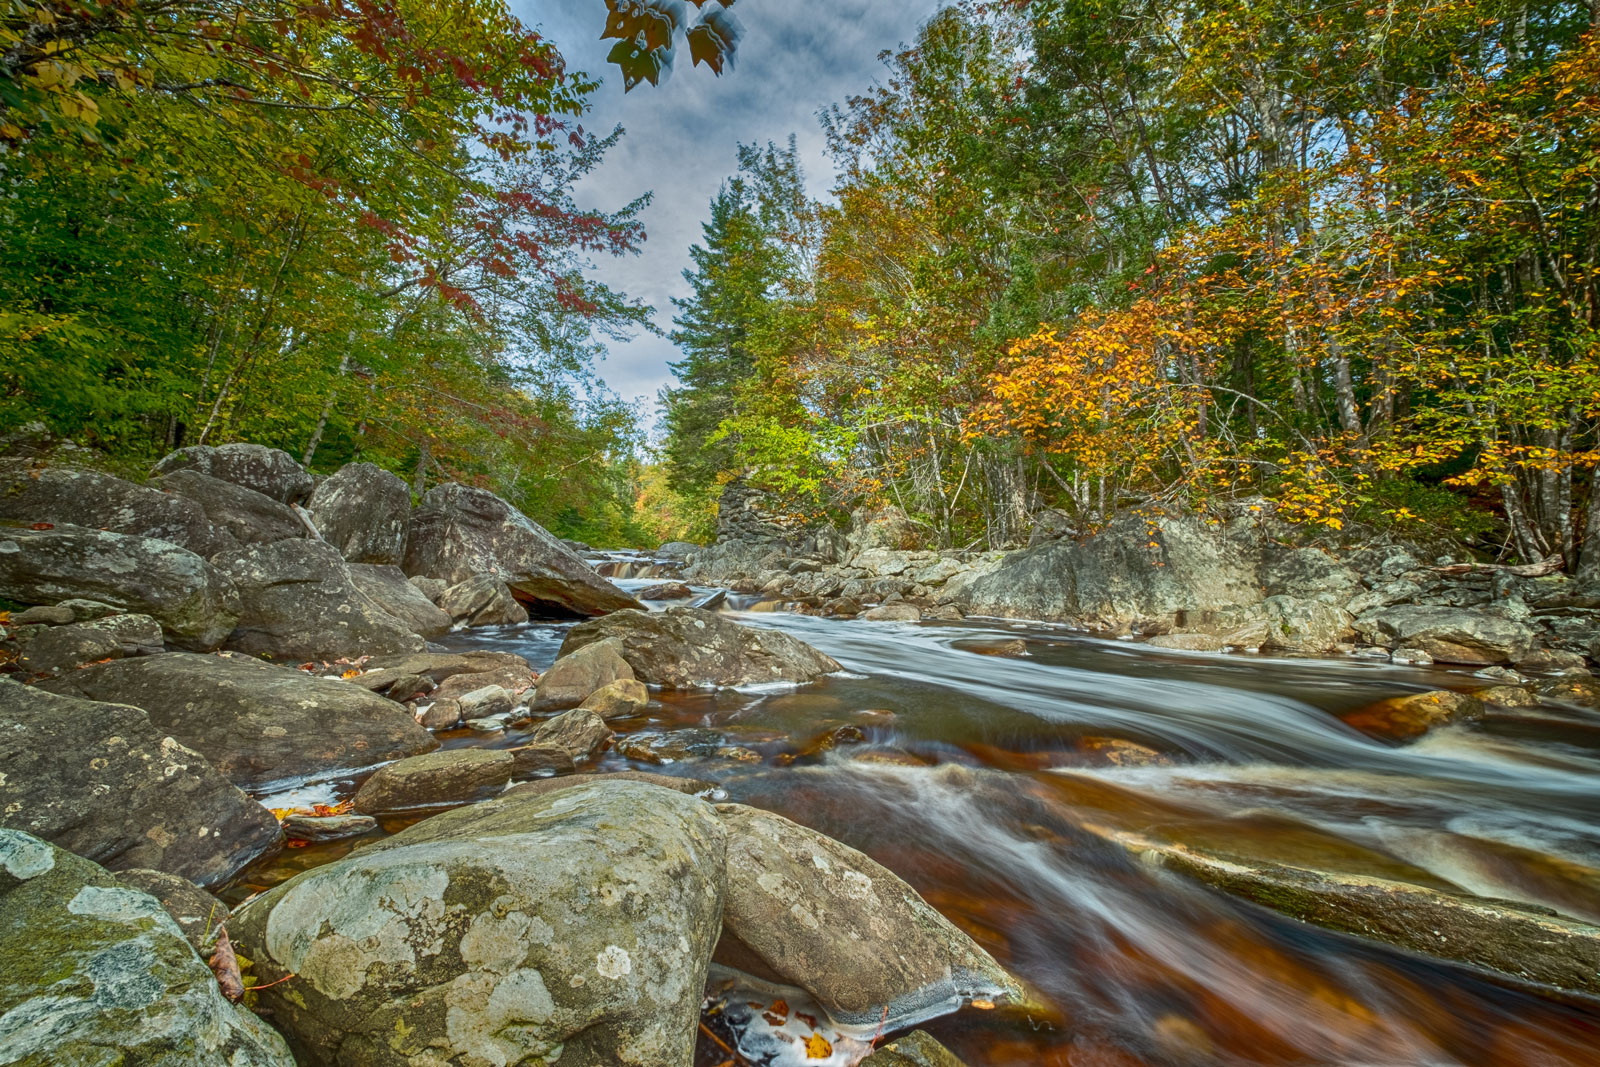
(1084, 256)
(345, 229)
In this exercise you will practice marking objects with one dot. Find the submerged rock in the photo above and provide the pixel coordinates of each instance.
(299, 602)
(196, 605)
(258, 722)
(437, 778)
(363, 511)
(458, 532)
(916, 1049)
(820, 915)
(574, 927)
(97, 974)
(684, 648)
(1403, 718)
(100, 780)
(269, 471)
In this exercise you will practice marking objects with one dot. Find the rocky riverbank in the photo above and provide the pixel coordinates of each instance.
(1243, 582)
(179, 646)
(182, 647)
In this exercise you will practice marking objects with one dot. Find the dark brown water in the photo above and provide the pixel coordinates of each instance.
(983, 780)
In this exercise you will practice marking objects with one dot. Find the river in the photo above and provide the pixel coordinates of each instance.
(983, 779)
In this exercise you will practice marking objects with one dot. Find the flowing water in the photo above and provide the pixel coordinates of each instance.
(987, 781)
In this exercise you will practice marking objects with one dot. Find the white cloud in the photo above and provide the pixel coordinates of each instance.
(794, 60)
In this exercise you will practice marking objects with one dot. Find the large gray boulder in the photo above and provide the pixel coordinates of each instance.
(1173, 571)
(258, 722)
(387, 587)
(824, 917)
(1295, 625)
(1449, 635)
(247, 516)
(458, 532)
(577, 675)
(266, 470)
(100, 780)
(572, 927)
(686, 648)
(363, 511)
(298, 602)
(64, 495)
(97, 974)
(195, 604)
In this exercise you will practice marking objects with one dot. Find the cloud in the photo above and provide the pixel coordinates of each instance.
(794, 60)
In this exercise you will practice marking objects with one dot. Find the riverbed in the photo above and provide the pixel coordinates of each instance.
(991, 764)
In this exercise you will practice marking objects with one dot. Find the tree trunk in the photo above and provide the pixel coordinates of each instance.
(327, 410)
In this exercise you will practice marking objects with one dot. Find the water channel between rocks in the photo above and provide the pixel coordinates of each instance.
(984, 780)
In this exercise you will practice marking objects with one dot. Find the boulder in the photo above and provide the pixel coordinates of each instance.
(459, 776)
(97, 974)
(439, 666)
(247, 516)
(100, 780)
(916, 1049)
(1449, 635)
(1188, 642)
(676, 551)
(458, 532)
(45, 615)
(432, 588)
(298, 827)
(622, 699)
(1295, 625)
(899, 611)
(258, 722)
(820, 915)
(665, 591)
(574, 677)
(63, 496)
(387, 587)
(685, 648)
(65, 648)
(540, 759)
(363, 511)
(266, 470)
(574, 926)
(198, 914)
(580, 733)
(486, 700)
(298, 602)
(482, 600)
(195, 604)
(1171, 571)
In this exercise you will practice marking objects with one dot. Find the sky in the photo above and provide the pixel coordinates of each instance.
(795, 59)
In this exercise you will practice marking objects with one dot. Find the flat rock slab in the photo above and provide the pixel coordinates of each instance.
(459, 776)
(1449, 635)
(687, 648)
(195, 604)
(97, 974)
(849, 931)
(572, 927)
(1523, 945)
(258, 722)
(100, 780)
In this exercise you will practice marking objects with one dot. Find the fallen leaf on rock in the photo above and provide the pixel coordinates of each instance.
(818, 1047)
(225, 965)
